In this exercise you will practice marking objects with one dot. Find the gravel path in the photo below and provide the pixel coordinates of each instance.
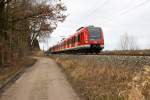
(43, 81)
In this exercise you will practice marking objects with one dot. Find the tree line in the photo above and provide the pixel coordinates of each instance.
(23, 23)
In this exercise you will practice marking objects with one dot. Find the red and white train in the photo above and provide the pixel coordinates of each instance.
(86, 40)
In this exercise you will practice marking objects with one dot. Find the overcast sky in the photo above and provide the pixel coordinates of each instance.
(115, 17)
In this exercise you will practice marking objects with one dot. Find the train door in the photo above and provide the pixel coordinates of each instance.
(86, 36)
(82, 38)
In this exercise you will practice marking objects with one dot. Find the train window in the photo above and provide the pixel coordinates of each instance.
(70, 41)
(76, 39)
(67, 42)
(94, 33)
(79, 37)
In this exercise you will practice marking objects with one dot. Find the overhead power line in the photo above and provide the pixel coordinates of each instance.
(99, 4)
(134, 7)
(120, 13)
(126, 11)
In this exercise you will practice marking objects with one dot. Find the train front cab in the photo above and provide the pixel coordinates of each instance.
(96, 39)
(91, 39)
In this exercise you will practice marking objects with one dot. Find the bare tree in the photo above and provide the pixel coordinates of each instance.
(128, 42)
(23, 22)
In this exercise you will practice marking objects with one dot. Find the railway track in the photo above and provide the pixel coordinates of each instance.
(116, 53)
(132, 59)
(108, 54)
(124, 54)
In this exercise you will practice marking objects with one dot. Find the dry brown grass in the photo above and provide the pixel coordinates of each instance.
(95, 80)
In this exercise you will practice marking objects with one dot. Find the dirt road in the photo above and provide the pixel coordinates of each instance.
(43, 81)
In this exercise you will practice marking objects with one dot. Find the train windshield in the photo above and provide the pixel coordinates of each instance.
(94, 33)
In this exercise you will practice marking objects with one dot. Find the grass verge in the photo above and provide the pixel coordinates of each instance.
(94, 80)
